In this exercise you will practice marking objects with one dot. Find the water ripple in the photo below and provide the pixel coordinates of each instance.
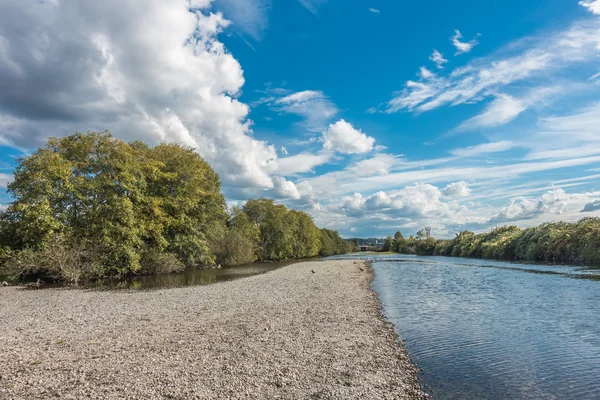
(492, 330)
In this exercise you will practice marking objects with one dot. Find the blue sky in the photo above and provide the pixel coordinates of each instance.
(372, 116)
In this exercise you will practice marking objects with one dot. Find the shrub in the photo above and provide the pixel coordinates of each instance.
(58, 260)
(155, 262)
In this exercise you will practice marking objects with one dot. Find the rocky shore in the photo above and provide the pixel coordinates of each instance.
(307, 331)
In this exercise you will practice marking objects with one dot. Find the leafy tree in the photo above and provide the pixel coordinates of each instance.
(399, 242)
(387, 244)
(93, 189)
(240, 243)
(557, 242)
(90, 205)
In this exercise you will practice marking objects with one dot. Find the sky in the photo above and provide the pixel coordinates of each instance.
(372, 116)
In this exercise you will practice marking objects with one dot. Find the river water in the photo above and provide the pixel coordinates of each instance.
(494, 330)
(188, 277)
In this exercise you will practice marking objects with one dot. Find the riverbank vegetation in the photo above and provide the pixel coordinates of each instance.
(556, 242)
(89, 205)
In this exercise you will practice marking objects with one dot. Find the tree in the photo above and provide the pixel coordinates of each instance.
(90, 204)
(387, 244)
(399, 242)
(95, 190)
(239, 245)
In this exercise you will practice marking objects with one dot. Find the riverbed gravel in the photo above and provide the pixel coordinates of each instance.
(288, 334)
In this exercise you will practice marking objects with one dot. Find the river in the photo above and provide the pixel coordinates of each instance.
(494, 330)
(190, 277)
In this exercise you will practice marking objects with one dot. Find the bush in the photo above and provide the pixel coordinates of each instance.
(155, 262)
(56, 261)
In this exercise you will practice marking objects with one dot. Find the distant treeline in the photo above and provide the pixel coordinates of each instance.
(557, 242)
(89, 206)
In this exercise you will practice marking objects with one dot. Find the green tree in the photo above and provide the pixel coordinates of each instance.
(387, 244)
(399, 242)
(93, 190)
(239, 245)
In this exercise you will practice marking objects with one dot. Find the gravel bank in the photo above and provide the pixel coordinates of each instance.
(289, 334)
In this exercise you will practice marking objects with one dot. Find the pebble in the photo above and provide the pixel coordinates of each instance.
(275, 335)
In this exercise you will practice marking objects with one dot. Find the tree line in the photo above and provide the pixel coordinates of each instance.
(89, 205)
(555, 242)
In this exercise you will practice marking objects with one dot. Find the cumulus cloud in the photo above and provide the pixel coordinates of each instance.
(438, 59)
(284, 188)
(457, 189)
(590, 207)
(307, 195)
(342, 137)
(462, 47)
(419, 200)
(555, 201)
(593, 6)
(284, 151)
(157, 75)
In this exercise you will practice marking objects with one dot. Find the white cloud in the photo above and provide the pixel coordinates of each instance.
(157, 75)
(418, 200)
(299, 163)
(307, 195)
(590, 207)
(342, 137)
(462, 47)
(582, 124)
(379, 164)
(555, 201)
(485, 148)
(374, 10)
(313, 105)
(250, 17)
(593, 6)
(499, 112)
(534, 60)
(438, 59)
(5, 179)
(284, 151)
(312, 5)
(457, 189)
(284, 188)
(425, 73)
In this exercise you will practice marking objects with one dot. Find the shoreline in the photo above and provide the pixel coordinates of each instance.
(289, 333)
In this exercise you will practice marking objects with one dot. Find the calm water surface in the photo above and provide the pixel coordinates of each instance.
(189, 277)
(493, 330)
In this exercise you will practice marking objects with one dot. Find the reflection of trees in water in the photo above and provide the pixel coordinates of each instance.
(188, 277)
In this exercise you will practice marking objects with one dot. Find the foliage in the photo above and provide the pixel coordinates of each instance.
(333, 244)
(284, 234)
(90, 205)
(557, 242)
(239, 245)
(57, 260)
(155, 262)
(388, 244)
